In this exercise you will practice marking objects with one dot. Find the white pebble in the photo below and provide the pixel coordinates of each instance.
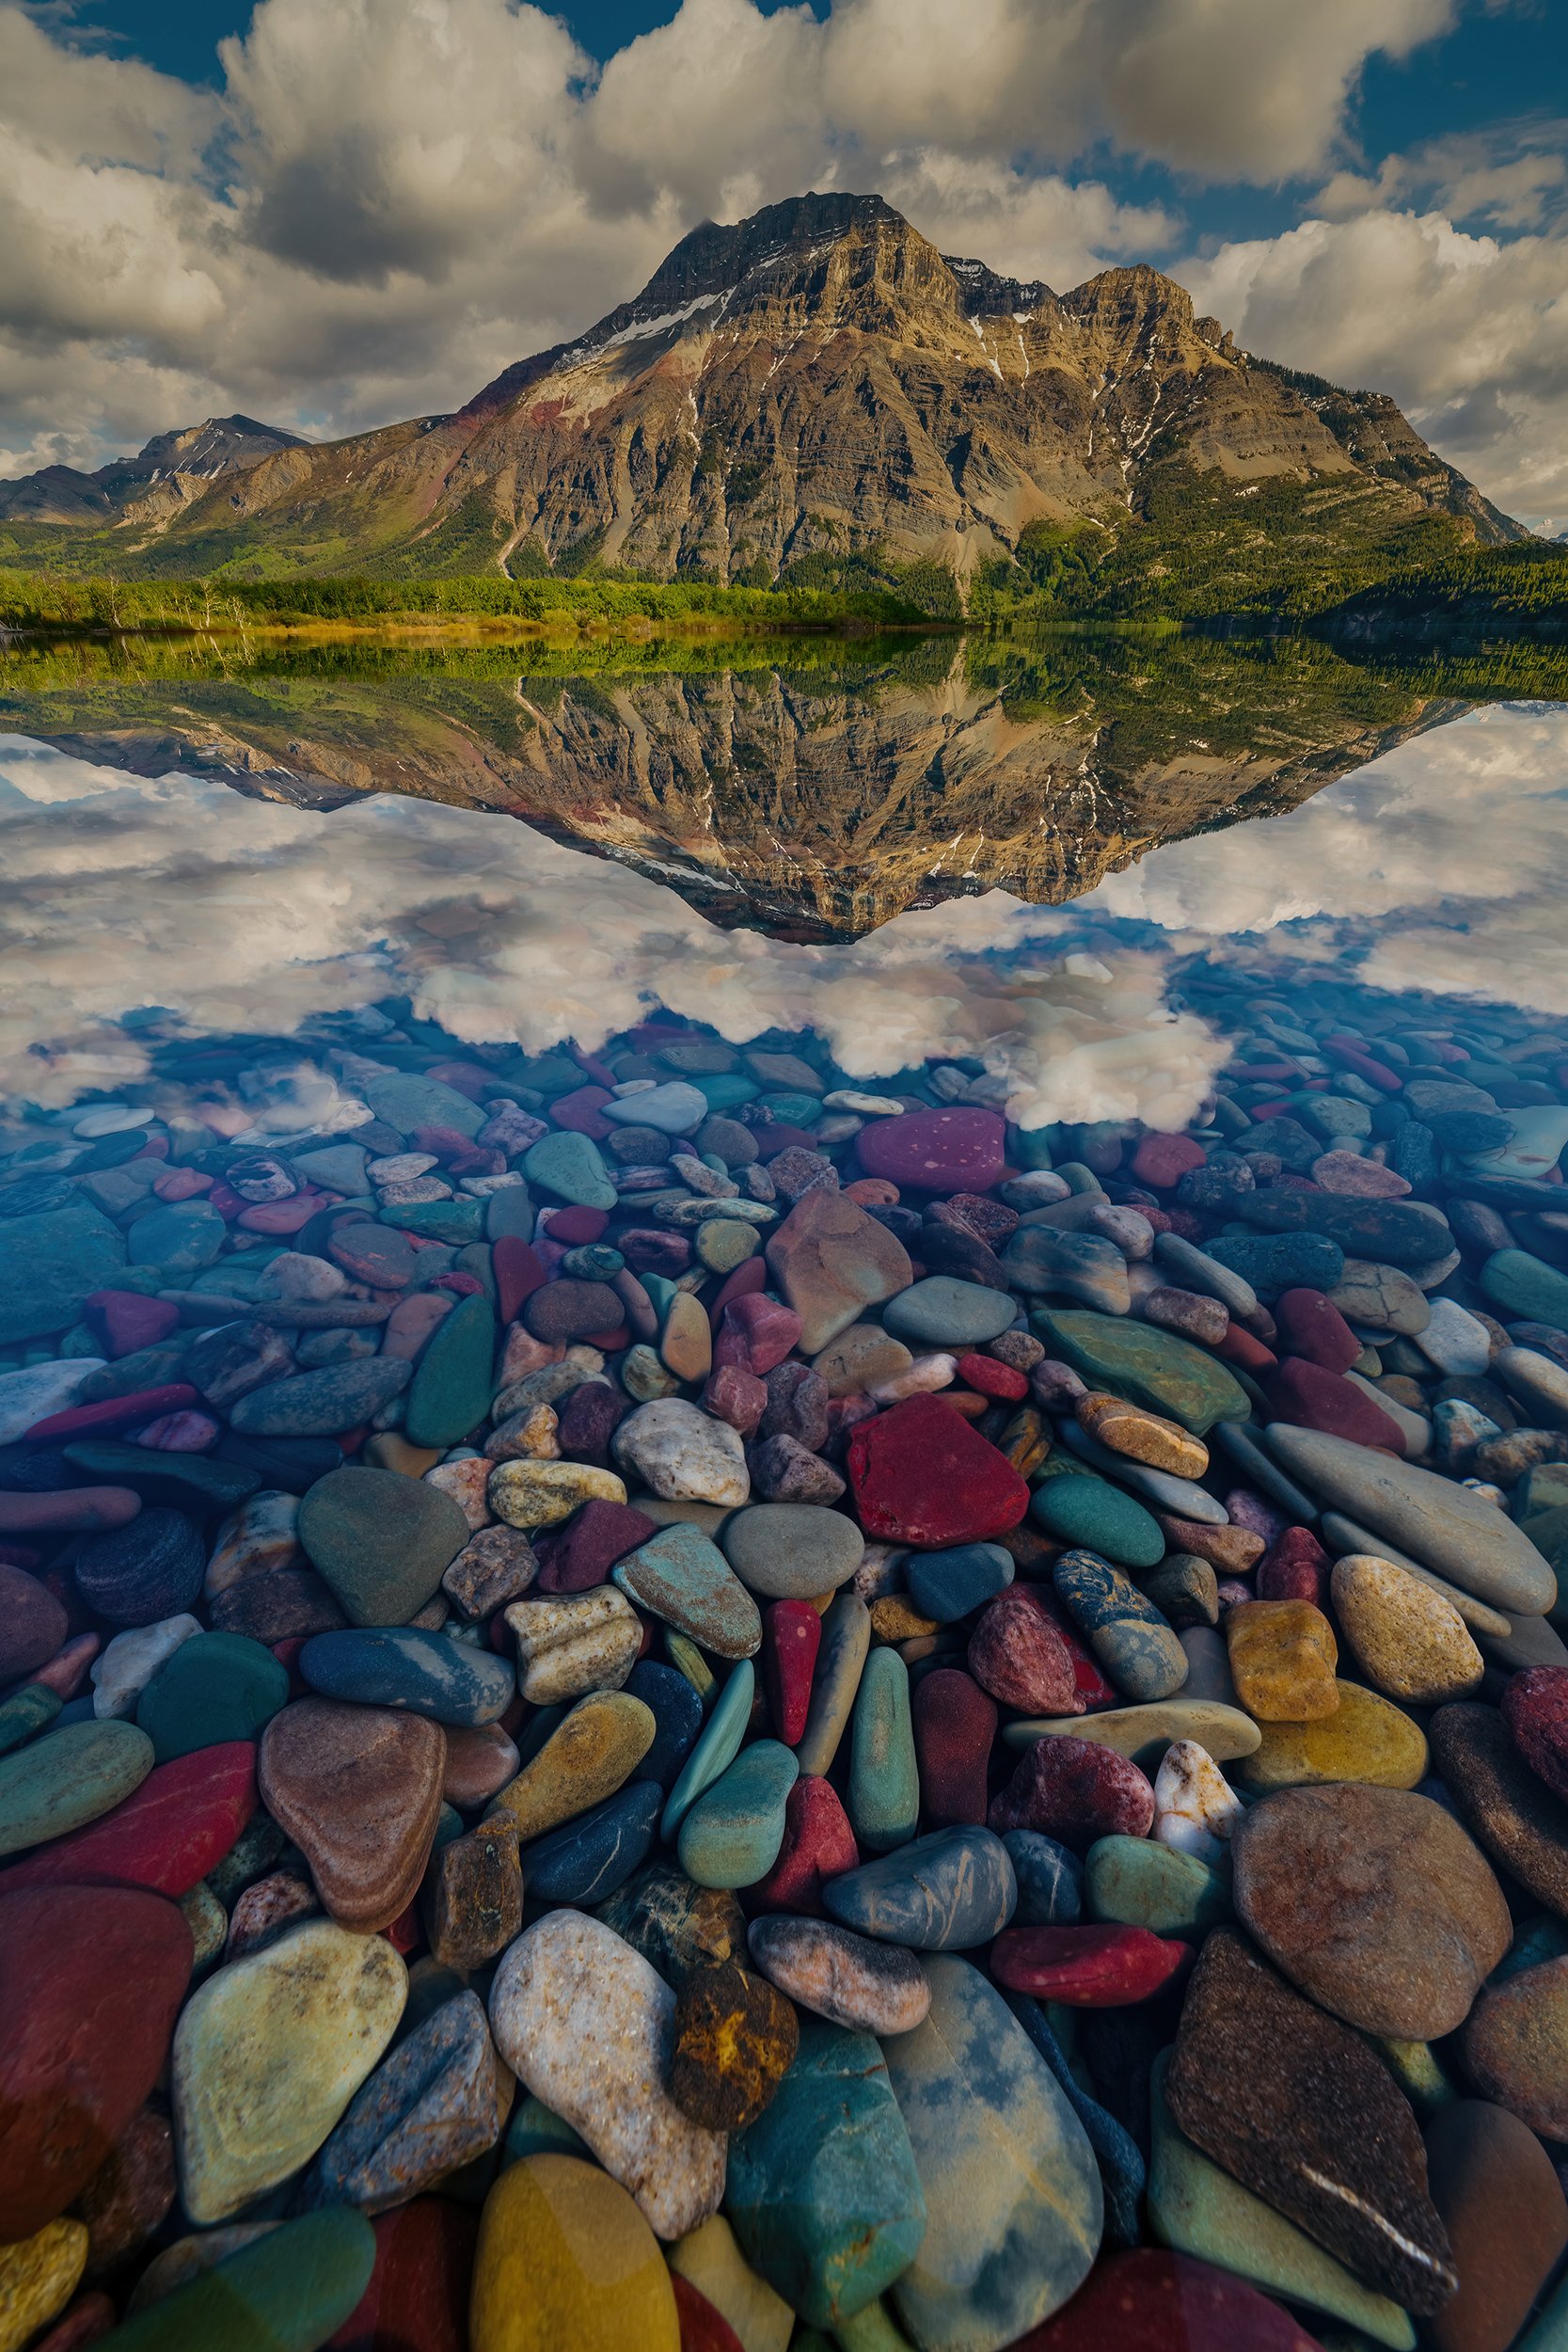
(122, 1671)
(1195, 1807)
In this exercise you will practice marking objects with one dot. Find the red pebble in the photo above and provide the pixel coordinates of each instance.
(128, 1321)
(1163, 1160)
(1307, 1398)
(1350, 1056)
(418, 2297)
(167, 1833)
(922, 1476)
(84, 2322)
(279, 1216)
(580, 1555)
(992, 1378)
(791, 1637)
(405, 1935)
(1104, 1968)
(1017, 1655)
(68, 1669)
(702, 2326)
(582, 1112)
(1535, 1709)
(1242, 1347)
(1151, 2301)
(818, 1843)
(518, 1271)
(73, 1508)
(180, 1184)
(461, 1286)
(114, 1412)
(465, 1077)
(757, 1333)
(735, 1395)
(227, 1201)
(91, 1980)
(577, 1225)
(779, 1136)
(1312, 1326)
(961, 1149)
(1077, 1790)
(748, 1279)
(1296, 1567)
(955, 1723)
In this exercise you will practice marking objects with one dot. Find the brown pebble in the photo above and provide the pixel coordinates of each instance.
(1497, 2192)
(131, 2192)
(736, 2038)
(473, 1896)
(358, 1789)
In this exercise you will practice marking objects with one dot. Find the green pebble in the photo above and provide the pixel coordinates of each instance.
(1091, 1511)
(453, 1221)
(287, 2292)
(453, 1383)
(726, 1242)
(1141, 1362)
(884, 1777)
(732, 1835)
(67, 1778)
(536, 2130)
(227, 1688)
(26, 1712)
(1137, 1884)
(569, 1166)
(717, 1747)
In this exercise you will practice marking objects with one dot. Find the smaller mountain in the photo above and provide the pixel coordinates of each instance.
(171, 471)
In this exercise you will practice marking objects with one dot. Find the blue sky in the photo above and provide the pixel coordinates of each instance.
(360, 210)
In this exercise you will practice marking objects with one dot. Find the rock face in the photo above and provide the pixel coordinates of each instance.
(1009, 2178)
(1374, 1903)
(585, 2022)
(1298, 2109)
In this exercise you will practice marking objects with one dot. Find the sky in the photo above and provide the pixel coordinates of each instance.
(332, 213)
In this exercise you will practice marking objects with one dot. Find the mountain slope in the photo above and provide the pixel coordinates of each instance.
(162, 478)
(810, 390)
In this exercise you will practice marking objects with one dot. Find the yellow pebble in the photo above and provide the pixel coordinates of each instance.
(894, 1618)
(1026, 1440)
(1143, 1437)
(541, 1494)
(37, 2278)
(1282, 1660)
(564, 2260)
(1366, 1739)
(715, 2265)
(1410, 1642)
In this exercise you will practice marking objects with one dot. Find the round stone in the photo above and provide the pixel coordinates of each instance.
(68, 1777)
(358, 1789)
(1081, 1509)
(33, 1624)
(380, 1541)
(1516, 2046)
(1499, 2196)
(736, 2036)
(215, 1688)
(1374, 1901)
(853, 1981)
(139, 1574)
(942, 1311)
(683, 1454)
(792, 1550)
(1087, 1967)
(944, 1151)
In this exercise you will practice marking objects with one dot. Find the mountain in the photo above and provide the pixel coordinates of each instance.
(157, 483)
(816, 395)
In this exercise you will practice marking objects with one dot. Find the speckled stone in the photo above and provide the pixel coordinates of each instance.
(1374, 1903)
(574, 1643)
(681, 1576)
(533, 1494)
(583, 2021)
(1298, 2108)
(589, 1755)
(1282, 1660)
(472, 1898)
(824, 2196)
(675, 1926)
(1146, 1365)
(1516, 2045)
(1077, 1790)
(1138, 1884)
(851, 1980)
(1125, 1633)
(67, 1778)
(1012, 2190)
(1017, 1654)
(420, 1674)
(268, 2054)
(736, 2037)
(1512, 1815)
(1410, 1642)
(429, 2106)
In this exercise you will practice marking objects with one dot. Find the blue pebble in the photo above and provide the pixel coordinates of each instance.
(591, 1856)
(423, 1674)
(677, 1713)
(1050, 1880)
(947, 1585)
(943, 1893)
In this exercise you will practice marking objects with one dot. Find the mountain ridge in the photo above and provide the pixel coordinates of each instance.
(811, 393)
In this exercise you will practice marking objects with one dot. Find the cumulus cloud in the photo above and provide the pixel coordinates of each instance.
(1441, 866)
(124, 893)
(388, 200)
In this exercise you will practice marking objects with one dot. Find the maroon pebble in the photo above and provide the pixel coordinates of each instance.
(922, 1476)
(1535, 1709)
(1304, 1393)
(581, 1112)
(565, 1311)
(1017, 1654)
(129, 1321)
(992, 1378)
(818, 1843)
(33, 1624)
(1151, 2301)
(575, 1557)
(648, 1250)
(588, 1419)
(577, 1225)
(1296, 1567)
(1311, 1326)
(961, 1150)
(791, 1637)
(1077, 1790)
(735, 1395)
(1163, 1160)
(76, 1507)
(955, 1723)
(757, 1333)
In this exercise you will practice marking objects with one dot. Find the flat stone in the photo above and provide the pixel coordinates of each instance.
(588, 1757)
(1146, 1365)
(1381, 1298)
(954, 1727)
(940, 1311)
(953, 1582)
(1374, 1903)
(947, 1892)
(380, 1541)
(1388, 1233)
(1078, 1265)
(1365, 1740)
(227, 1688)
(681, 1578)
(288, 2287)
(51, 1262)
(942, 1152)
(883, 1795)
(78, 2058)
(824, 2195)
(268, 2054)
(840, 1663)
(1296, 2107)
(67, 1778)
(736, 2037)
(790, 1551)
(1198, 2208)
(422, 1674)
(33, 1624)
(453, 1385)
(358, 1789)
(831, 1260)
(178, 1824)
(1142, 1733)
(584, 2021)
(566, 2258)
(1105, 1966)
(1511, 1813)
(319, 1404)
(1011, 2187)
(922, 1476)
(851, 1980)
(1273, 1264)
(1503, 2209)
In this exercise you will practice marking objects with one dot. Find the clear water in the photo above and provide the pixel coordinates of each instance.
(202, 843)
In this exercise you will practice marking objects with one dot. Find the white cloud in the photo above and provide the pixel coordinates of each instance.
(126, 892)
(392, 199)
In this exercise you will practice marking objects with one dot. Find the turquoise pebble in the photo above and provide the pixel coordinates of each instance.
(67, 1778)
(570, 1166)
(732, 1835)
(287, 2292)
(884, 1776)
(717, 1747)
(1138, 1884)
(453, 1382)
(227, 1688)
(1079, 1508)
